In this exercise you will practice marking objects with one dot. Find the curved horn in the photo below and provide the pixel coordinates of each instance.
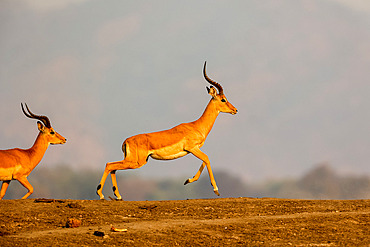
(44, 119)
(217, 85)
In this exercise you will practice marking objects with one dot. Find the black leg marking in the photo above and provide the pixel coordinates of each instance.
(114, 188)
(98, 188)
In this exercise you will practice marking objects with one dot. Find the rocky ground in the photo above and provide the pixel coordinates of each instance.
(209, 222)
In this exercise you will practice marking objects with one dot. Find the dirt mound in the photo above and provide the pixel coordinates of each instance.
(210, 222)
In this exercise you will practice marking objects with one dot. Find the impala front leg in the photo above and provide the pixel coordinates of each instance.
(27, 185)
(202, 156)
(196, 176)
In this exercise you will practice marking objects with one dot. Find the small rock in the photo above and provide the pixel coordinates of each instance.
(4, 233)
(99, 233)
(73, 205)
(73, 223)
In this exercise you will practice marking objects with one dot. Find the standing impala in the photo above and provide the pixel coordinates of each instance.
(173, 143)
(17, 164)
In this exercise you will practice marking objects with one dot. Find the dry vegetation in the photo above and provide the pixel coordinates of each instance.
(211, 222)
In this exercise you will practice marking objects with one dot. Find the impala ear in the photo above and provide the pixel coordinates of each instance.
(40, 126)
(212, 91)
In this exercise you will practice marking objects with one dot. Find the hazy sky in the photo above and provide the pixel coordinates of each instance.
(298, 72)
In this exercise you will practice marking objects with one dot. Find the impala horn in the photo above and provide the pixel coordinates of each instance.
(217, 85)
(43, 119)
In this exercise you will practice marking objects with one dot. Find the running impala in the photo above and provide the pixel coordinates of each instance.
(17, 164)
(173, 143)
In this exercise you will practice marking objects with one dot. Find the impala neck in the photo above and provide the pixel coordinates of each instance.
(38, 149)
(208, 118)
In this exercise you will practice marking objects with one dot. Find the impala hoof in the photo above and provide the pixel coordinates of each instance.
(115, 199)
(100, 195)
(216, 192)
(187, 181)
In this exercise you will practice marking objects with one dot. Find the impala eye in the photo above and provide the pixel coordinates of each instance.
(223, 100)
(52, 132)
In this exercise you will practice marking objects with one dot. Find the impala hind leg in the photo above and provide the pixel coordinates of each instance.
(115, 185)
(4, 187)
(99, 189)
(111, 168)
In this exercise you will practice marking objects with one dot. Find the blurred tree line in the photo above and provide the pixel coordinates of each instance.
(62, 182)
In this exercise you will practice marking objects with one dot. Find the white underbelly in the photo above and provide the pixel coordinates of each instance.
(160, 155)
